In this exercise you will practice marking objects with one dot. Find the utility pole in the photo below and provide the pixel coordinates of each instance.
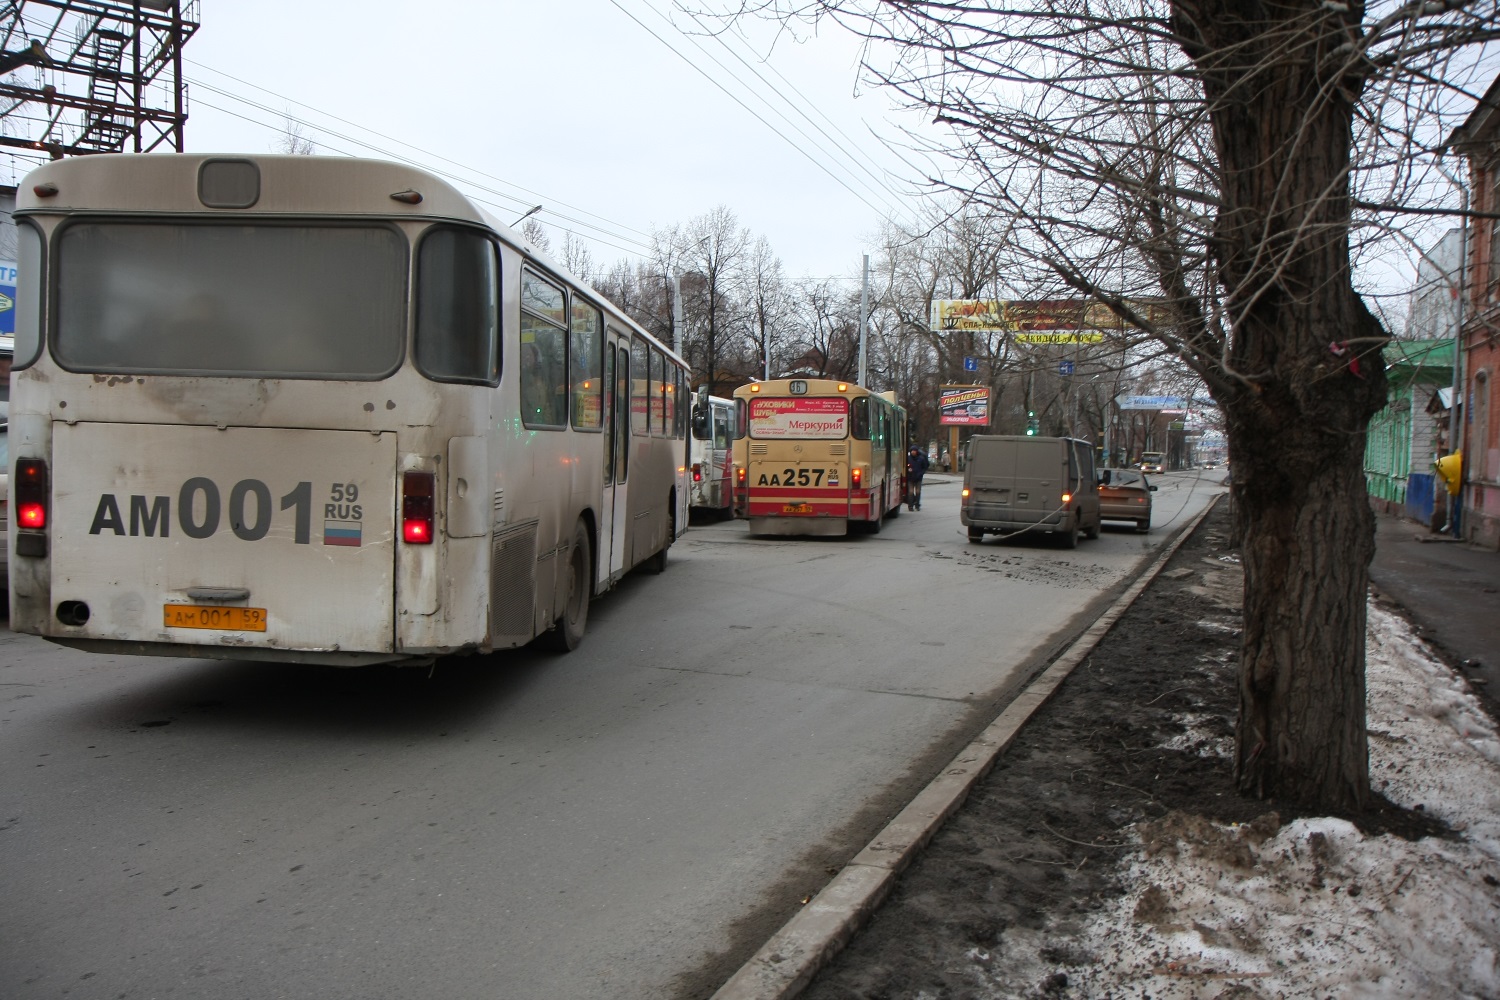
(864, 318)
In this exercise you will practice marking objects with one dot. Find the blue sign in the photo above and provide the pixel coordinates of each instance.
(971, 364)
(1065, 368)
(1152, 402)
(7, 298)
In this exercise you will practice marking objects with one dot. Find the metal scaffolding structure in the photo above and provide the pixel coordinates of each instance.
(93, 76)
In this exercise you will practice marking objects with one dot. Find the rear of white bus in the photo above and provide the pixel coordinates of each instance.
(223, 442)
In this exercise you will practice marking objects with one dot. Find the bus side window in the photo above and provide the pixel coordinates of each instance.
(701, 415)
(656, 388)
(458, 307)
(588, 386)
(544, 354)
(679, 429)
(721, 428)
(859, 418)
(741, 419)
(640, 387)
(609, 414)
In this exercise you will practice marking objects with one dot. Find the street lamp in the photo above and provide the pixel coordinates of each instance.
(526, 215)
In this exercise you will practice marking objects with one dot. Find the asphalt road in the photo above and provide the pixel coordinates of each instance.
(630, 820)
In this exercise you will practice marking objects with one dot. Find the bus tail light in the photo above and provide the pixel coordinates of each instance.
(857, 477)
(739, 475)
(29, 492)
(418, 490)
(697, 472)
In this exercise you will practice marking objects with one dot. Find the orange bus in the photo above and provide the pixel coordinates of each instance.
(817, 457)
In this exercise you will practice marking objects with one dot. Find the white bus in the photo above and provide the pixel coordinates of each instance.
(710, 456)
(322, 410)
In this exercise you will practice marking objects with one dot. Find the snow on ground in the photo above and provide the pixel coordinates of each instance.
(1313, 909)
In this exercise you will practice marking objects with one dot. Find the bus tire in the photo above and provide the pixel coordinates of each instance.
(567, 632)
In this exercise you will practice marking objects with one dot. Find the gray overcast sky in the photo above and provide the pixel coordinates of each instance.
(571, 104)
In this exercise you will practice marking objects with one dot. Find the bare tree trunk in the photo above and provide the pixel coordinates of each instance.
(1314, 377)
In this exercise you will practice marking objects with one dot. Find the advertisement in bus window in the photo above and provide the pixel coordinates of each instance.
(800, 418)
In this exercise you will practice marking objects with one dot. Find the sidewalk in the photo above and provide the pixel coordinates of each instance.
(1452, 591)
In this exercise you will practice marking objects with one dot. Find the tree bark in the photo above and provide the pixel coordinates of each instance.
(1304, 376)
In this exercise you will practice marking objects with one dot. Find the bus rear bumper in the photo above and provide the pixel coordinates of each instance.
(828, 526)
(190, 651)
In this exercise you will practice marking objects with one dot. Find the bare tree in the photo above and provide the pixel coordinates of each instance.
(713, 247)
(766, 302)
(1211, 155)
(294, 140)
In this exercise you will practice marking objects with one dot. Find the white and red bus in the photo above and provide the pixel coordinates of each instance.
(817, 457)
(318, 409)
(710, 455)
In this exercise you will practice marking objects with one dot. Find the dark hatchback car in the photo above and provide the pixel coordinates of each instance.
(1125, 495)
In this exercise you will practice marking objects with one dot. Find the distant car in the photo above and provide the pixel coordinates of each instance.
(1125, 495)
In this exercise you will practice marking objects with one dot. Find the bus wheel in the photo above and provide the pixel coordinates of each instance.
(567, 631)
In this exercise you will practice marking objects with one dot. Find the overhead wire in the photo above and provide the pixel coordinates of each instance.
(749, 110)
(602, 236)
(838, 151)
(531, 198)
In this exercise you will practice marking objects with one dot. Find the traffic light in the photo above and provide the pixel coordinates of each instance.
(1031, 423)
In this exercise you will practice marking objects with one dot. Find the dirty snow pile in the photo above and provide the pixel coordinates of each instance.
(1312, 909)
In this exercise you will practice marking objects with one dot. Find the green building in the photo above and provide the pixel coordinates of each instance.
(1404, 438)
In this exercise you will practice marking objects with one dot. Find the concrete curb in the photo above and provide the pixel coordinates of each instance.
(786, 963)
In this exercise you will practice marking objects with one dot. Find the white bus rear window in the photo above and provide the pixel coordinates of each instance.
(238, 300)
(799, 417)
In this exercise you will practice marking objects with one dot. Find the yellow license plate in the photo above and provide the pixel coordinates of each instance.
(797, 508)
(209, 616)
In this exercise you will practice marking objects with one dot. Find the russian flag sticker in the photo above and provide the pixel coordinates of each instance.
(341, 533)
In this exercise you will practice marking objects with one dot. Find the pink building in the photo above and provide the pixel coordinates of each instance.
(1478, 139)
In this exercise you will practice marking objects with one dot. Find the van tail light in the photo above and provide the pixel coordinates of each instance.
(418, 490)
(29, 494)
(1067, 498)
(966, 491)
(697, 472)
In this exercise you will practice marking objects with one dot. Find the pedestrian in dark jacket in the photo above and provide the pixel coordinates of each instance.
(916, 468)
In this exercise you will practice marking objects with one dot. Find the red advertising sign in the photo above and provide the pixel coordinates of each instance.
(964, 405)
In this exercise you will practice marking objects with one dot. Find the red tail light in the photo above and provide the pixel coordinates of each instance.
(740, 476)
(30, 493)
(697, 472)
(417, 494)
(857, 477)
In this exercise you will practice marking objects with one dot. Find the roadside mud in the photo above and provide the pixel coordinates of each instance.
(1139, 733)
